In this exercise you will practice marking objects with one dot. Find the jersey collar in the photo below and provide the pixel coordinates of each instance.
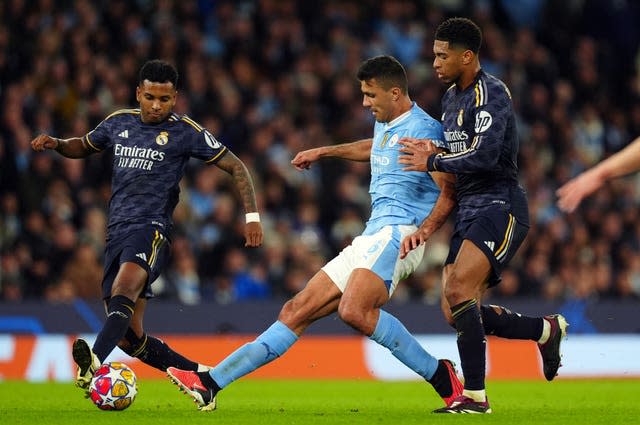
(400, 118)
(479, 75)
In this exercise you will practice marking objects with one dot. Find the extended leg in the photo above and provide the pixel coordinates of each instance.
(547, 331)
(318, 299)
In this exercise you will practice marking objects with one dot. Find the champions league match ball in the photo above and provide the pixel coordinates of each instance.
(113, 386)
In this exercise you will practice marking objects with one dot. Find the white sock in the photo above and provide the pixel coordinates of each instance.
(546, 331)
(476, 395)
(203, 368)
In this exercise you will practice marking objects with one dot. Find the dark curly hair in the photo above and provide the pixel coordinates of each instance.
(158, 71)
(460, 32)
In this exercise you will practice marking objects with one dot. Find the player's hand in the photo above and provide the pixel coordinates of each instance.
(410, 242)
(575, 190)
(253, 234)
(303, 160)
(415, 152)
(42, 142)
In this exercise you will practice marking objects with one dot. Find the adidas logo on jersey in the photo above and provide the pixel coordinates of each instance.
(490, 244)
(124, 134)
(142, 255)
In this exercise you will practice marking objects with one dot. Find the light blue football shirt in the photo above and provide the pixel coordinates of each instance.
(401, 197)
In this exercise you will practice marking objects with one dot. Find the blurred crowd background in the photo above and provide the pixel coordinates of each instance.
(272, 77)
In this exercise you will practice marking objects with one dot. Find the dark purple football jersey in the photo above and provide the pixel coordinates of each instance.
(148, 163)
(480, 128)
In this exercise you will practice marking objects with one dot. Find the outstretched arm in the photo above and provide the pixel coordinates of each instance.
(620, 164)
(244, 184)
(354, 151)
(74, 147)
(445, 203)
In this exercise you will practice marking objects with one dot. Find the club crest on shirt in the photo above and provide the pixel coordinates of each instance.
(162, 138)
(390, 140)
(393, 140)
(460, 116)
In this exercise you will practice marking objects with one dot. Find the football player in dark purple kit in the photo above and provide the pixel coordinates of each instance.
(493, 216)
(151, 146)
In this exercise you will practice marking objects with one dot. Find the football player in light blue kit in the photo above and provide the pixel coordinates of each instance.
(365, 274)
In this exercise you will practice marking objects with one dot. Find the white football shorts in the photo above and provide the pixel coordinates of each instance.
(380, 253)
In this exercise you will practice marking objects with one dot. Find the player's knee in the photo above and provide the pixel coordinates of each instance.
(353, 317)
(129, 281)
(454, 294)
(126, 289)
(457, 290)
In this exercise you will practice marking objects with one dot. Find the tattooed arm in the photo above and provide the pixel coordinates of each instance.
(244, 184)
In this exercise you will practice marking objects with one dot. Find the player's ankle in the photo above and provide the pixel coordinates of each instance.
(203, 368)
(208, 381)
(477, 395)
(546, 331)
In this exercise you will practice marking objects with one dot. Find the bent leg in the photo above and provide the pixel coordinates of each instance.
(501, 322)
(497, 320)
(318, 299)
(360, 308)
(444, 303)
(127, 286)
(360, 305)
(150, 350)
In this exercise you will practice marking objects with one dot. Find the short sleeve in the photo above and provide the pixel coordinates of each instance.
(99, 138)
(203, 145)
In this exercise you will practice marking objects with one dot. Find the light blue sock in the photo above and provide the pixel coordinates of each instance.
(391, 333)
(270, 345)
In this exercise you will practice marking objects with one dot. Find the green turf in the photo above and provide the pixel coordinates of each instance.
(329, 402)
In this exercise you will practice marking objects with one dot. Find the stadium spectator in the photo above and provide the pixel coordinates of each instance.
(289, 41)
(83, 272)
(620, 164)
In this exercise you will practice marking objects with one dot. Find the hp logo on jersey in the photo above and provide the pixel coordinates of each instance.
(483, 121)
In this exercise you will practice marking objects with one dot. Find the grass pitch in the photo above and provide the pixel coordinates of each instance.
(257, 401)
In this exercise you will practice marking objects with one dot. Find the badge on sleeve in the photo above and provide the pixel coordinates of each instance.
(211, 141)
